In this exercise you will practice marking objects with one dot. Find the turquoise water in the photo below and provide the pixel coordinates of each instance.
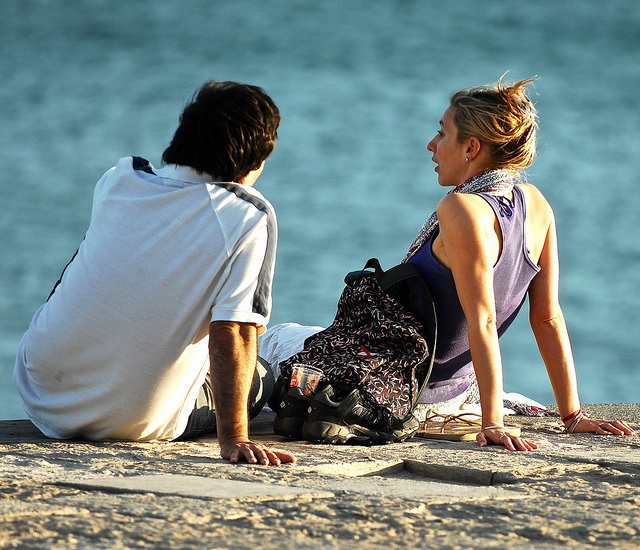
(361, 86)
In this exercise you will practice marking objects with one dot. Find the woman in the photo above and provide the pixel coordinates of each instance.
(490, 243)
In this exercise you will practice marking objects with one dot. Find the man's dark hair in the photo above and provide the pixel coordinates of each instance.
(227, 130)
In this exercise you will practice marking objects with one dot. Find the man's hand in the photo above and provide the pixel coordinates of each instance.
(241, 448)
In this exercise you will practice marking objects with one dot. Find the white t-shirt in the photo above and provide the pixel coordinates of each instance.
(120, 349)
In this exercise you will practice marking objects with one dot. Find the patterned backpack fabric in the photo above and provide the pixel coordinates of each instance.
(376, 343)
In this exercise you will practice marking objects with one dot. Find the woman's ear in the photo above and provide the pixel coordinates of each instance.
(474, 146)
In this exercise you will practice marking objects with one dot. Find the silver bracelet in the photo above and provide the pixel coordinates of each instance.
(574, 423)
(493, 428)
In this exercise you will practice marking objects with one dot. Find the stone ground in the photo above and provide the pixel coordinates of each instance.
(575, 491)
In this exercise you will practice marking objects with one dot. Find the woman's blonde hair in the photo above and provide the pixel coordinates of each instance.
(503, 118)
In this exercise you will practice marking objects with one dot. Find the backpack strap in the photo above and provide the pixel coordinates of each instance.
(374, 263)
(405, 284)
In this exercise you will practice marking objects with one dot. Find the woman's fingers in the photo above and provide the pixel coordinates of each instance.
(616, 427)
(502, 437)
(605, 427)
(514, 443)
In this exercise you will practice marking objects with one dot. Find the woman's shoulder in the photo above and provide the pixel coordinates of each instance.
(474, 210)
(529, 188)
(469, 204)
(540, 220)
(464, 211)
(536, 201)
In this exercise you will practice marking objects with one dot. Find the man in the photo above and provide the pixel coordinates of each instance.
(151, 332)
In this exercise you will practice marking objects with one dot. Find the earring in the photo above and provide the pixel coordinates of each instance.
(466, 159)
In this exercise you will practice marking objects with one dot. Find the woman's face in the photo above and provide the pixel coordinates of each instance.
(448, 153)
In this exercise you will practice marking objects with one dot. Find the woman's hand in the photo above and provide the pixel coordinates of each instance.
(501, 436)
(599, 426)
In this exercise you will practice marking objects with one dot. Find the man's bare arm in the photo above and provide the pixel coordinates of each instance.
(233, 351)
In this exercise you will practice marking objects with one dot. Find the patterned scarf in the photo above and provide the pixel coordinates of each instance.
(492, 182)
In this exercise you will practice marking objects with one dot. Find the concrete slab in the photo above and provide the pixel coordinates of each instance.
(458, 474)
(418, 468)
(196, 487)
(358, 468)
(414, 487)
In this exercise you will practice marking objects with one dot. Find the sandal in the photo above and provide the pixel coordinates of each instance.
(454, 427)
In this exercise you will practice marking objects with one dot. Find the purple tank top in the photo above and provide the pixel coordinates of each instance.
(512, 274)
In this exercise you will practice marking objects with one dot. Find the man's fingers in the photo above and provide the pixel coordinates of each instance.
(255, 453)
(285, 458)
(249, 456)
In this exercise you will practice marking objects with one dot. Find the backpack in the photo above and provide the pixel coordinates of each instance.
(382, 340)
